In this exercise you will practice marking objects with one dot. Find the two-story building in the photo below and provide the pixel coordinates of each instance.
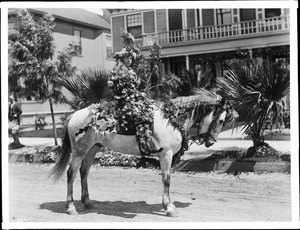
(201, 40)
(91, 31)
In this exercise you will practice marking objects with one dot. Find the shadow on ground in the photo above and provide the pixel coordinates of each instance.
(113, 208)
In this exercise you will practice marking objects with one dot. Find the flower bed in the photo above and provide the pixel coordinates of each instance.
(275, 135)
(262, 155)
(108, 157)
(105, 157)
(48, 133)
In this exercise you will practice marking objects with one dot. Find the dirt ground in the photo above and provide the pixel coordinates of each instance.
(134, 195)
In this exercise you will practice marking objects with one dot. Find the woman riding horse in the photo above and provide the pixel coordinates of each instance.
(133, 108)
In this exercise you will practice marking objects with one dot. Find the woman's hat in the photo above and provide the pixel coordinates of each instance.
(127, 51)
(133, 55)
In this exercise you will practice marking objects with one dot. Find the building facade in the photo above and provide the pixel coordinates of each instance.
(202, 40)
(91, 31)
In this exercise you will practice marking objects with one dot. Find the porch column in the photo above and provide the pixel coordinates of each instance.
(250, 56)
(184, 24)
(168, 66)
(250, 53)
(187, 62)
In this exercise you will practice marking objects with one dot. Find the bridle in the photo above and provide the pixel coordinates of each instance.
(199, 139)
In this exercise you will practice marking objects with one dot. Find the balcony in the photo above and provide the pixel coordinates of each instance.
(211, 33)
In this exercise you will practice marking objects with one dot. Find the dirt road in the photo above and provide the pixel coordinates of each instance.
(134, 195)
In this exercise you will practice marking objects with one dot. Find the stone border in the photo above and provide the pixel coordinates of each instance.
(273, 137)
(230, 166)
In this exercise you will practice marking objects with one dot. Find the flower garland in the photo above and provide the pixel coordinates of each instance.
(102, 121)
(175, 117)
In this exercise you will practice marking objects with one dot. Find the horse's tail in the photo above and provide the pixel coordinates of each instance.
(65, 153)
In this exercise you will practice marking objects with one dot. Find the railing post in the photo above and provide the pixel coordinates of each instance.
(185, 35)
(240, 29)
(200, 31)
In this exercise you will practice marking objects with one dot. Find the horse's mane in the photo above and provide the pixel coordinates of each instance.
(201, 97)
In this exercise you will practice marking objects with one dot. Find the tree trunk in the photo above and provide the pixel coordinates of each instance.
(257, 139)
(53, 121)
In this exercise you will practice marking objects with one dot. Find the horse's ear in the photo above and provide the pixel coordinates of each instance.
(222, 102)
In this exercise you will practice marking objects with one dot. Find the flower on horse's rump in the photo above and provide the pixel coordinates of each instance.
(110, 83)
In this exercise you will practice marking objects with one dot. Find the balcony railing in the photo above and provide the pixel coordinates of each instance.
(266, 25)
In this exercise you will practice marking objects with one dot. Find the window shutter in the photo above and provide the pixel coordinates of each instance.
(161, 19)
(117, 24)
(190, 18)
(208, 17)
(149, 26)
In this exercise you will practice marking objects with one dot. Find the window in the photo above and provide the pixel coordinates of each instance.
(77, 40)
(134, 25)
(247, 14)
(272, 12)
(223, 16)
(109, 52)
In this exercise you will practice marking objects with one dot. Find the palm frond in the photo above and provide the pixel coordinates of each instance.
(97, 84)
(128, 38)
(201, 97)
(90, 86)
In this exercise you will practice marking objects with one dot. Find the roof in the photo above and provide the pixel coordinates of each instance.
(76, 15)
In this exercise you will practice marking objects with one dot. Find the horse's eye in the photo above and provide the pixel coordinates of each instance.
(221, 122)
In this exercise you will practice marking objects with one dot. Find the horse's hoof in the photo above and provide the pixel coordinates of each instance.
(88, 206)
(72, 212)
(171, 211)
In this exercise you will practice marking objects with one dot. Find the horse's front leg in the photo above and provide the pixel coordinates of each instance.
(165, 164)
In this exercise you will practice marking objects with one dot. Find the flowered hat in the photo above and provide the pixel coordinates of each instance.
(127, 51)
(130, 49)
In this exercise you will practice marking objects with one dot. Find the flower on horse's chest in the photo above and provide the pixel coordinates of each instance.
(103, 124)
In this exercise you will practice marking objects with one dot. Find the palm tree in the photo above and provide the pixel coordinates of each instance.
(86, 88)
(259, 91)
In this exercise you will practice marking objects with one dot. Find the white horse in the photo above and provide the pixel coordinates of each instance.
(209, 113)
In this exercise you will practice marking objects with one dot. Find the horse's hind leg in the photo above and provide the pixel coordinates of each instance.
(165, 164)
(84, 172)
(71, 174)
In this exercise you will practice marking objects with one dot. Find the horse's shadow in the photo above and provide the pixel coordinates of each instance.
(113, 208)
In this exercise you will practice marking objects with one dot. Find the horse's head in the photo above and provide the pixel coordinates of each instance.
(208, 110)
(213, 122)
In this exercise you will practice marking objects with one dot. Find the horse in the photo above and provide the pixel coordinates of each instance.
(208, 112)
